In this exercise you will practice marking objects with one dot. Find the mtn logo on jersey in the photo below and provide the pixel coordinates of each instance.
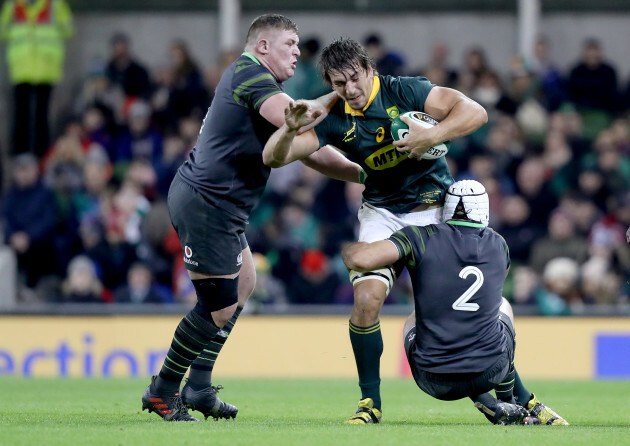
(187, 255)
(385, 158)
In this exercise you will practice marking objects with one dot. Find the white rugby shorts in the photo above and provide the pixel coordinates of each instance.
(378, 224)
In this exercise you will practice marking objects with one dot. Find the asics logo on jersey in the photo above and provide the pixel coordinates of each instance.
(380, 134)
(385, 158)
(350, 134)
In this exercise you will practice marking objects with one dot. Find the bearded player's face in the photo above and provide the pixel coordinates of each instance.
(354, 85)
(282, 53)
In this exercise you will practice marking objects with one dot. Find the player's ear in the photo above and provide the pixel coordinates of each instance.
(263, 46)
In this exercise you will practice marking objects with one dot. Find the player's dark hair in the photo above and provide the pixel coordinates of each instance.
(344, 54)
(267, 21)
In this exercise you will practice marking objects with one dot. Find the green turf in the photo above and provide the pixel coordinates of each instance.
(299, 412)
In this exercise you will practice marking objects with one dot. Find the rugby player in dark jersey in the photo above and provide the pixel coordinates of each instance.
(400, 188)
(209, 202)
(460, 339)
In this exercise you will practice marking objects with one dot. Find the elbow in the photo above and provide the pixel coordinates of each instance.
(270, 161)
(353, 260)
(482, 116)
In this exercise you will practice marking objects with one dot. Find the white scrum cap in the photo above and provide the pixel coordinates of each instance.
(467, 200)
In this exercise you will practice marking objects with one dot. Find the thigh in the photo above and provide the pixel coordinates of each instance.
(376, 223)
(210, 238)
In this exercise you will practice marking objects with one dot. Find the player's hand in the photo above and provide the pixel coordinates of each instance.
(418, 141)
(299, 114)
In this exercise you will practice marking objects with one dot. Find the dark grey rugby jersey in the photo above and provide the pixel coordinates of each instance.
(457, 270)
(226, 164)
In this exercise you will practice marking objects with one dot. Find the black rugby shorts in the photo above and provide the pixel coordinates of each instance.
(212, 240)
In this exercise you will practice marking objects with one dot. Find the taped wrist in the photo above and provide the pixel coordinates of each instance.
(214, 294)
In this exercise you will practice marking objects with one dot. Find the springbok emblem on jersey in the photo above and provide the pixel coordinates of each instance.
(350, 134)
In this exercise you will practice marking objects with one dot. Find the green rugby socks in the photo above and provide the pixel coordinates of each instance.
(367, 344)
(200, 375)
(191, 335)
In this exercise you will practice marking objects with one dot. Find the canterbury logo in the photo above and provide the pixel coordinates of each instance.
(350, 134)
(385, 158)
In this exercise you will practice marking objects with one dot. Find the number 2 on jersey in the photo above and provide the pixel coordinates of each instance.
(462, 304)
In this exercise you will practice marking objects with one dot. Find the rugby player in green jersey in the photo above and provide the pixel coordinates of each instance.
(400, 189)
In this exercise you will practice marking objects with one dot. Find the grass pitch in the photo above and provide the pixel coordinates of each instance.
(299, 412)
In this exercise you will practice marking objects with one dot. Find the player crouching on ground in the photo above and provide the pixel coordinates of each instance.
(460, 339)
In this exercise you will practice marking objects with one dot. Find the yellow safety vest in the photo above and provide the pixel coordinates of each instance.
(35, 33)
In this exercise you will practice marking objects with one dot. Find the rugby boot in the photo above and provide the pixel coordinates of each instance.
(505, 413)
(366, 414)
(207, 402)
(169, 406)
(546, 414)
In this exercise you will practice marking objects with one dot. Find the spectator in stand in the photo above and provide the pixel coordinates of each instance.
(387, 62)
(437, 70)
(608, 235)
(30, 218)
(315, 282)
(516, 228)
(187, 96)
(475, 63)
(550, 78)
(123, 70)
(268, 290)
(307, 82)
(97, 90)
(560, 241)
(141, 288)
(560, 290)
(82, 285)
(140, 142)
(113, 253)
(533, 185)
(592, 82)
(165, 168)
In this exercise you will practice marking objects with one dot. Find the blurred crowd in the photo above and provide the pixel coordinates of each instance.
(88, 220)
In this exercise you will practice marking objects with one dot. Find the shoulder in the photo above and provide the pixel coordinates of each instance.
(247, 69)
(405, 82)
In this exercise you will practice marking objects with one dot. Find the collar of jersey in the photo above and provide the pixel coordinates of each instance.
(376, 86)
(465, 223)
(251, 57)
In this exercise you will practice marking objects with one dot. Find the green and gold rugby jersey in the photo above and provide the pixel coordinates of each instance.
(394, 182)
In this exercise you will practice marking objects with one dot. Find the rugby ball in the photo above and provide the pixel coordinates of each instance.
(399, 130)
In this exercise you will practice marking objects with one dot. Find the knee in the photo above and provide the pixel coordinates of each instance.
(216, 298)
(220, 317)
(368, 301)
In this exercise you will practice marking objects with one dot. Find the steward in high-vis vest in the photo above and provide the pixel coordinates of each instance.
(34, 31)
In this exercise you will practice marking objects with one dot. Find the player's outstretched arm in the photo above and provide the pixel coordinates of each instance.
(362, 256)
(285, 145)
(458, 115)
(332, 163)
